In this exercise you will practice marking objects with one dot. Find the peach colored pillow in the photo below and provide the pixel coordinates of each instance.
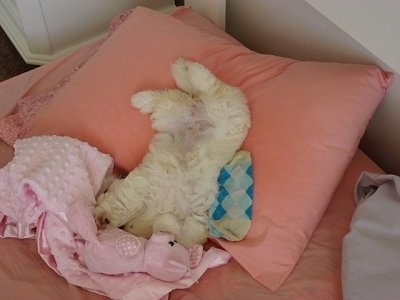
(307, 120)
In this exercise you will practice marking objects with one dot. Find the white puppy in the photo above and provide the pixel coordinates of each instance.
(199, 127)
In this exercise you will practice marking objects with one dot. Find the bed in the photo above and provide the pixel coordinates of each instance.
(307, 121)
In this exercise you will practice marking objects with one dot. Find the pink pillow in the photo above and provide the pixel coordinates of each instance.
(307, 120)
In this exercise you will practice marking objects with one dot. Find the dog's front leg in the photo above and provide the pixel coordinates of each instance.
(117, 206)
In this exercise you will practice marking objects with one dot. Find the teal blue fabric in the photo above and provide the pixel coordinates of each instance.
(230, 214)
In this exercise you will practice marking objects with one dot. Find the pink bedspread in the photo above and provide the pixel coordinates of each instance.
(47, 192)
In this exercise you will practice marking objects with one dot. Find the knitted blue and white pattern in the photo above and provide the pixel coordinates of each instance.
(232, 208)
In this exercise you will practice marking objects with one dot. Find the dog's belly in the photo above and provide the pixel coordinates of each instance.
(194, 128)
(184, 192)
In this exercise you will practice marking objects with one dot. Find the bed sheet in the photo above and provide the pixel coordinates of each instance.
(24, 275)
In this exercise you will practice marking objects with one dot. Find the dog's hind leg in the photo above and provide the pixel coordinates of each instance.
(221, 101)
(193, 78)
(223, 107)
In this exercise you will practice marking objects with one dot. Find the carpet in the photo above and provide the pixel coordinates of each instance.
(11, 62)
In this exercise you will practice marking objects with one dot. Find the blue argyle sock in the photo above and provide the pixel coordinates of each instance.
(230, 214)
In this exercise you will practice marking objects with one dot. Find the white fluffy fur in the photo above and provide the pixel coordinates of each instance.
(199, 127)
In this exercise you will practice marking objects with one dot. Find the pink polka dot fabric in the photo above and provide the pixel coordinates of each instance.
(49, 173)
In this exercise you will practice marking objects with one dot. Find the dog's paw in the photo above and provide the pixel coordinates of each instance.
(179, 71)
(143, 101)
(108, 212)
(101, 218)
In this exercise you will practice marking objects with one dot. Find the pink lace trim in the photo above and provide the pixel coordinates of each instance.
(118, 20)
(15, 126)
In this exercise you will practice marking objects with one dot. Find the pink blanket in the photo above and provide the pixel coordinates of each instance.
(47, 191)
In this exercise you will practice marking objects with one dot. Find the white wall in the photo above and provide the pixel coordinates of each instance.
(298, 30)
(215, 10)
(374, 24)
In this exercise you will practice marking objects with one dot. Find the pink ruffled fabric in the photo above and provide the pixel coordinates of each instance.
(47, 192)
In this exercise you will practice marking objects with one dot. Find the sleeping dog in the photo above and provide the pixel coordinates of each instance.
(199, 126)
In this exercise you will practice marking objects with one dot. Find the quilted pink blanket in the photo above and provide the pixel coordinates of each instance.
(47, 191)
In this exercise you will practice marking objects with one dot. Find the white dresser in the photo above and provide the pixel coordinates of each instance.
(43, 30)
